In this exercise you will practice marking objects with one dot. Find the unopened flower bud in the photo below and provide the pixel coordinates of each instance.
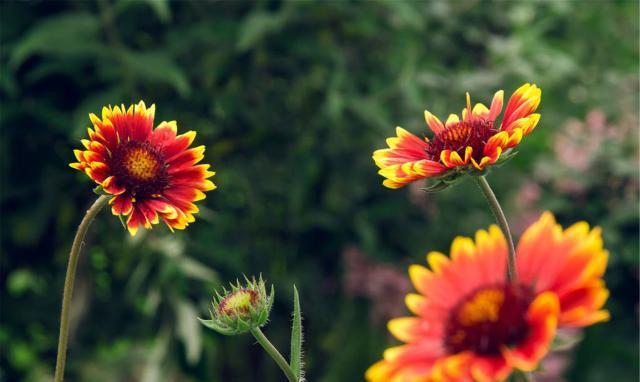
(243, 308)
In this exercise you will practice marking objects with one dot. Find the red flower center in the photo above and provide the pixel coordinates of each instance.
(457, 137)
(488, 318)
(140, 168)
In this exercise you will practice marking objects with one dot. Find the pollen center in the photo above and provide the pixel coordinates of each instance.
(484, 306)
(488, 318)
(457, 137)
(140, 168)
(238, 302)
(141, 164)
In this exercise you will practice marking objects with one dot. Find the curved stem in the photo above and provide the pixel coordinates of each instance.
(520, 376)
(78, 241)
(273, 352)
(512, 273)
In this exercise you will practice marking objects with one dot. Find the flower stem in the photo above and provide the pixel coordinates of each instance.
(78, 242)
(512, 273)
(274, 353)
(521, 376)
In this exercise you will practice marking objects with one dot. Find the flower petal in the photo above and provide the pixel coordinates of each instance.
(496, 105)
(542, 317)
(523, 102)
(433, 122)
(121, 205)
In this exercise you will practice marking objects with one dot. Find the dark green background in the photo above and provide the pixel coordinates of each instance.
(290, 99)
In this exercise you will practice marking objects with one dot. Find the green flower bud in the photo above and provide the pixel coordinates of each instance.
(243, 308)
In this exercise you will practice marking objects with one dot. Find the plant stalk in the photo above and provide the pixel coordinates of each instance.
(78, 242)
(521, 376)
(274, 353)
(512, 273)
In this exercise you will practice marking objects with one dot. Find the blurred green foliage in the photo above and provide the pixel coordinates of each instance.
(290, 98)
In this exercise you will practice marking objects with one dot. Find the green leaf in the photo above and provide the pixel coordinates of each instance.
(72, 35)
(196, 270)
(100, 191)
(566, 341)
(188, 330)
(505, 158)
(160, 7)
(296, 336)
(156, 67)
(257, 26)
(455, 180)
(211, 324)
(435, 187)
(123, 221)
(93, 103)
(22, 281)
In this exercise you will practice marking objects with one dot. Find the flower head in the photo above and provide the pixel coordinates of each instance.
(241, 309)
(460, 146)
(471, 324)
(151, 173)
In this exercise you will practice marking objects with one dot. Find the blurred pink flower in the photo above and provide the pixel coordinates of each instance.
(580, 145)
(557, 362)
(569, 186)
(528, 195)
(526, 199)
(523, 220)
(383, 284)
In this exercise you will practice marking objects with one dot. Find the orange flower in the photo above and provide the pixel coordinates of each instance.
(151, 173)
(459, 146)
(470, 324)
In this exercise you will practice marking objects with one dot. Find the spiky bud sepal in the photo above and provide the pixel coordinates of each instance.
(240, 309)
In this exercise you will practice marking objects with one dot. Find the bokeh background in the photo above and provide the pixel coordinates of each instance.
(290, 99)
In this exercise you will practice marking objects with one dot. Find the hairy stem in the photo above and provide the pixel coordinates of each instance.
(274, 353)
(512, 273)
(78, 242)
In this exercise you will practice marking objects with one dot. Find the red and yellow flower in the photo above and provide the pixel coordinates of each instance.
(471, 324)
(151, 173)
(460, 145)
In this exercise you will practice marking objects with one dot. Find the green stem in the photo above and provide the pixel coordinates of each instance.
(78, 242)
(274, 353)
(520, 376)
(512, 273)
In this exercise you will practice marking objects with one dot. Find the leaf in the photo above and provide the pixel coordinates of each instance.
(188, 329)
(157, 356)
(22, 281)
(196, 270)
(98, 190)
(72, 34)
(160, 7)
(211, 324)
(566, 340)
(123, 221)
(154, 67)
(93, 103)
(505, 158)
(435, 187)
(257, 26)
(453, 181)
(296, 336)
